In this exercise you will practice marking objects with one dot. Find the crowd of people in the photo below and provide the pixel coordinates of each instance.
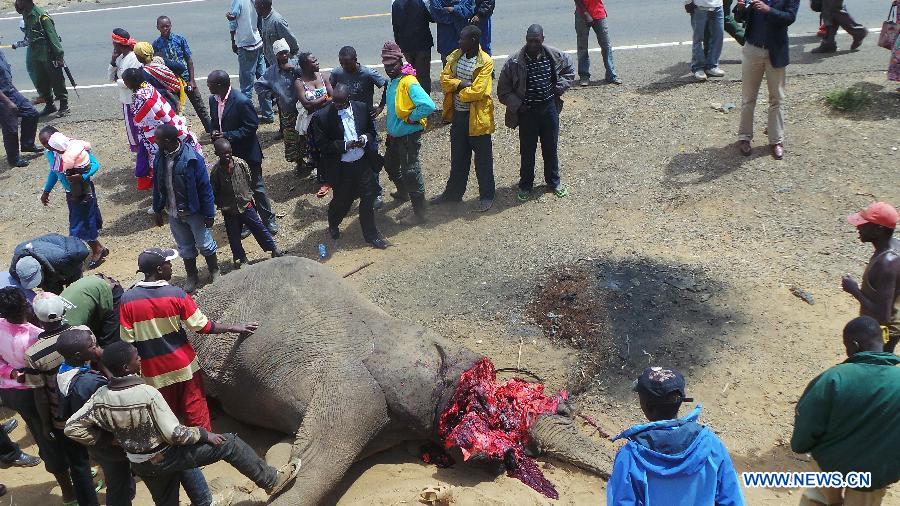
(104, 373)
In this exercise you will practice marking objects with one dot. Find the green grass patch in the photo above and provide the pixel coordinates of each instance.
(849, 99)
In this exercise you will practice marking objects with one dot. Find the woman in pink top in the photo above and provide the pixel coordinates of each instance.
(17, 389)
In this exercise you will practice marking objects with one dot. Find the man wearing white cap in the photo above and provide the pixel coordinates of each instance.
(49, 262)
(879, 295)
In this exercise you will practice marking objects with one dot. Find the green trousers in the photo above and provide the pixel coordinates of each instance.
(49, 80)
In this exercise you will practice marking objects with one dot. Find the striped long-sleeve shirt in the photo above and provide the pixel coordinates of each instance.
(152, 317)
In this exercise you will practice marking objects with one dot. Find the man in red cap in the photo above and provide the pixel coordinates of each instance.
(879, 295)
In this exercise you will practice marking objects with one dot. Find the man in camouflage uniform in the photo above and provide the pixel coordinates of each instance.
(47, 58)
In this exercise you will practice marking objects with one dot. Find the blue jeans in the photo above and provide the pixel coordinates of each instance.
(582, 30)
(190, 233)
(713, 22)
(540, 122)
(251, 65)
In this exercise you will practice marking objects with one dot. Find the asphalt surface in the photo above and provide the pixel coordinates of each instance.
(319, 26)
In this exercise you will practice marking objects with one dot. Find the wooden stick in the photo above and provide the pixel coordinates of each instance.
(519, 360)
(361, 267)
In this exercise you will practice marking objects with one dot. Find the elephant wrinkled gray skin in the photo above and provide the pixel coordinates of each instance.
(339, 373)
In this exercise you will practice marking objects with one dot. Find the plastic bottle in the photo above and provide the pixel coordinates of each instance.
(323, 253)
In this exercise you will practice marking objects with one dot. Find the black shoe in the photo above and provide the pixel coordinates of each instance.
(23, 460)
(245, 232)
(21, 162)
(276, 253)
(442, 199)
(400, 196)
(335, 233)
(9, 425)
(63, 110)
(379, 243)
(31, 149)
(279, 135)
(825, 48)
(48, 109)
(273, 227)
(266, 121)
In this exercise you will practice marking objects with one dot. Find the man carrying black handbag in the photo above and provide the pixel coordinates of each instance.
(344, 132)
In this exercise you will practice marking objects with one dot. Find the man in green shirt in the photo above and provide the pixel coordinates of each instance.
(47, 57)
(94, 302)
(847, 418)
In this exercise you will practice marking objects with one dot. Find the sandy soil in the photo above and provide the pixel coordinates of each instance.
(689, 251)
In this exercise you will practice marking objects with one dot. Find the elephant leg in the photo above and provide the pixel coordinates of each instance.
(346, 412)
(558, 437)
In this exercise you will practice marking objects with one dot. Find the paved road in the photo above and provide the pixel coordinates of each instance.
(318, 24)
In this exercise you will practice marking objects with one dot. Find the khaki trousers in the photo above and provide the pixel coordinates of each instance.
(755, 63)
(845, 496)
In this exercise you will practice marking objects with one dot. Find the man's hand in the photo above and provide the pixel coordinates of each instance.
(158, 219)
(760, 6)
(234, 47)
(246, 329)
(689, 8)
(449, 9)
(45, 198)
(463, 84)
(215, 134)
(208, 222)
(741, 5)
(230, 17)
(214, 439)
(475, 20)
(849, 285)
(588, 19)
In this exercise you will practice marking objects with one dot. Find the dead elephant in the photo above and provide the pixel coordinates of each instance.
(340, 374)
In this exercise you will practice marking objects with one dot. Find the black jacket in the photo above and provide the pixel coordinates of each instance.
(484, 8)
(239, 125)
(783, 13)
(61, 258)
(328, 131)
(412, 31)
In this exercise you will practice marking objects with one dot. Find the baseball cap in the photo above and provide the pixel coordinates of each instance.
(49, 307)
(29, 272)
(151, 259)
(879, 213)
(661, 382)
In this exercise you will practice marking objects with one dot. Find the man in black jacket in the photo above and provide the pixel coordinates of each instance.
(834, 16)
(484, 9)
(412, 33)
(51, 262)
(344, 132)
(235, 119)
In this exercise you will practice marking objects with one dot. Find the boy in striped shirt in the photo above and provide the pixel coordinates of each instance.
(153, 315)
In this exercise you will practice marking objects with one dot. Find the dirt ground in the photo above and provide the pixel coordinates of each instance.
(672, 249)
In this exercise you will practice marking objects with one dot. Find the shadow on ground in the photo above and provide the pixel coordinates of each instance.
(884, 103)
(625, 315)
(708, 164)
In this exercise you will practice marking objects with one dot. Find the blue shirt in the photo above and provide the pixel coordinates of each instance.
(175, 49)
(756, 34)
(54, 176)
(396, 127)
(6, 82)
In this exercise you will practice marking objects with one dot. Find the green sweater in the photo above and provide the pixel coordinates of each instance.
(849, 418)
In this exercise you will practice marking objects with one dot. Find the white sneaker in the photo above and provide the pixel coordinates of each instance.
(700, 75)
(715, 72)
(150, 210)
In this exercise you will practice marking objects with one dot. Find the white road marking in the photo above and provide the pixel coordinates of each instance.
(122, 7)
(495, 57)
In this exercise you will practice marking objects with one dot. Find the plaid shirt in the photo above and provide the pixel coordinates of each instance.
(176, 49)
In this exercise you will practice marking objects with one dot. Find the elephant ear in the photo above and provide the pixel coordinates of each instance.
(415, 372)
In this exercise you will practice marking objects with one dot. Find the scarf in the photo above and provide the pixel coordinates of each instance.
(407, 70)
(151, 110)
(123, 41)
(70, 152)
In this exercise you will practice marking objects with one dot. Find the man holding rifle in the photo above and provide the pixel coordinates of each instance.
(47, 58)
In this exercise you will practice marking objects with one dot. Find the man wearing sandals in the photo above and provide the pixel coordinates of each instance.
(530, 86)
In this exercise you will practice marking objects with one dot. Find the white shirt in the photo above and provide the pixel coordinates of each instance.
(123, 63)
(705, 4)
(347, 119)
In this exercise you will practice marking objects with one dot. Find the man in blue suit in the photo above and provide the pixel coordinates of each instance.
(766, 52)
(235, 119)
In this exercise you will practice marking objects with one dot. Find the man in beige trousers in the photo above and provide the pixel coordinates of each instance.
(766, 52)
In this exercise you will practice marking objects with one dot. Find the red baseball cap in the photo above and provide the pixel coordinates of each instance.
(879, 213)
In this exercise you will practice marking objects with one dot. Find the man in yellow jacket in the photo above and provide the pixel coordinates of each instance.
(466, 81)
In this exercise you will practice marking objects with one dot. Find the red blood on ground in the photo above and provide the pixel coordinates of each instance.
(492, 419)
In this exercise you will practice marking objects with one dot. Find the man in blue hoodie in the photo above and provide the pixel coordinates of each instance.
(671, 457)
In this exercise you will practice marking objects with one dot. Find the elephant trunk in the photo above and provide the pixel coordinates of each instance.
(558, 437)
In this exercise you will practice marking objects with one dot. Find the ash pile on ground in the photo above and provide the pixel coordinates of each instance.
(622, 315)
